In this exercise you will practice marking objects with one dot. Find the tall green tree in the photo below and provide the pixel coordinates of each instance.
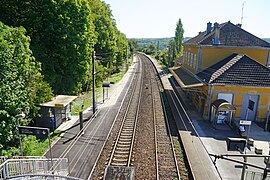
(122, 50)
(63, 37)
(21, 85)
(178, 40)
(111, 44)
(105, 28)
(133, 45)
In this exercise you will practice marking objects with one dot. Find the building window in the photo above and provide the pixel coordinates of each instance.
(195, 62)
(185, 57)
(268, 59)
(191, 59)
(188, 59)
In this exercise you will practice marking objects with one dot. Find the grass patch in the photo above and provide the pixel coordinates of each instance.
(31, 145)
(85, 100)
(36, 146)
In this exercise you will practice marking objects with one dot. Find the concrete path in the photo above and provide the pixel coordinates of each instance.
(213, 141)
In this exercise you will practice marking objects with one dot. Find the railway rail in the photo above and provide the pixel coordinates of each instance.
(166, 161)
(122, 150)
(140, 137)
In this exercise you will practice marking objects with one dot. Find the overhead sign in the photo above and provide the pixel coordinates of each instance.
(106, 85)
(37, 131)
(244, 122)
(59, 105)
(251, 104)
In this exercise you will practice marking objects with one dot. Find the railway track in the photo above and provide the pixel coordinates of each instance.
(140, 140)
(122, 150)
(166, 161)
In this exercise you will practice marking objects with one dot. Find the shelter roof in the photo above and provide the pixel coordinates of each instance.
(59, 101)
(185, 78)
(223, 105)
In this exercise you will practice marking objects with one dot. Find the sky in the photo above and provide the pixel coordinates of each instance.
(158, 18)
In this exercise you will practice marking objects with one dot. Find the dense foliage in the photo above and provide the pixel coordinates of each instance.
(159, 43)
(63, 35)
(21, 85)
(178, 39)
(111, 43)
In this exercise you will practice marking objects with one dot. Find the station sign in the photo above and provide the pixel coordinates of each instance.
(37, 131)
(59, 105)
(244, 122)
(106, 85)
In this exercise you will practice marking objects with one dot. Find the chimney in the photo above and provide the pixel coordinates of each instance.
(239, 25)
(216, 40)
(216, 25)
(209, 27)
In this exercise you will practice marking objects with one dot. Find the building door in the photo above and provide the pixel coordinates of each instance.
(251, 115)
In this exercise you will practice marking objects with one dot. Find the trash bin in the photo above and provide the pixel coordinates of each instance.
(242, 131)
(69, 115)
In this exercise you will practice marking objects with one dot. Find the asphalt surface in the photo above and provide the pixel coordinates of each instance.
(199, 142)
(85, 150)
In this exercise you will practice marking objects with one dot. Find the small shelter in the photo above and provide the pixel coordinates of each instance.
(221, 112)
(54, 112)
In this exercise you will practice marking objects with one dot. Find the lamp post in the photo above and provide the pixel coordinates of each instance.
(18, 117)
(93, 81)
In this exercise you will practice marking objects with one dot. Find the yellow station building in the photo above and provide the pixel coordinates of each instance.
(225, 70)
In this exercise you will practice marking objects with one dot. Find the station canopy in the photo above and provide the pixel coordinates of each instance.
(223, 105)
(59, 101)
(185, 78)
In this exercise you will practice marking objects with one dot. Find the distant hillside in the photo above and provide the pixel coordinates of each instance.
(160, 43)
(266, 39)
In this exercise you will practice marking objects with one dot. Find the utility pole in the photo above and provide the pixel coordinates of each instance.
(243, 4)
(126, 58)
(93, 81)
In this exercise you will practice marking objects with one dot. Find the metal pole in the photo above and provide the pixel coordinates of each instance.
(126, 58)
(103, 93)
(267, 120)
(245, 158)
(81, 120)
(93, 81)
(50, 146)
(21, 152)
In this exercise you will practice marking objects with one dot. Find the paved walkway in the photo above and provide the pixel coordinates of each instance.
(214, 141)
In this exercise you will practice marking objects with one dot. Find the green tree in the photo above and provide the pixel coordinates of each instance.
(133, 45)
(62, 36)
(21, 85)
(105, 28)
(178, 40)
(122, 45)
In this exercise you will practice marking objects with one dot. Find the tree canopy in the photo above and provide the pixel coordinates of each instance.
(21, 85)
(178, 39)
(63, 35)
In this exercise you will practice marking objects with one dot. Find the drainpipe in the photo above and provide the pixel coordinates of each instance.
(210, 89)
(267, 120)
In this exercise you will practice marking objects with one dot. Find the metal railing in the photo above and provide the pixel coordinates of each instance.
(17, 167)
(251, 175)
